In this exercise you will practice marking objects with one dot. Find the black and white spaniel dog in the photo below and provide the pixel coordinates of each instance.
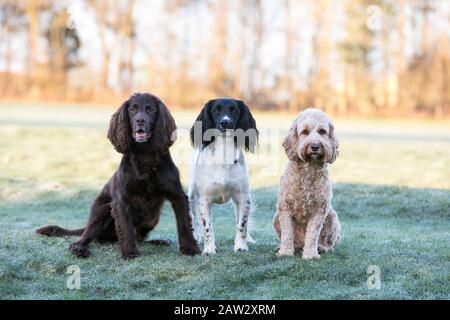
(224, 128)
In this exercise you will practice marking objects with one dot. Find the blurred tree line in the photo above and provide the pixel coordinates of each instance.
(349, 57)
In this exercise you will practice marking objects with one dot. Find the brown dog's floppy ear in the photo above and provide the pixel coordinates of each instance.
(290, 143)
(334, 144)
(164, 131)
(247, 122)
(119, 132)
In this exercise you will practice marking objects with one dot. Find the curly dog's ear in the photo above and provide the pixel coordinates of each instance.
(164, 131)
(290, 143)
(334, 144)
(119, 132)
(248, 124)
(197, 132)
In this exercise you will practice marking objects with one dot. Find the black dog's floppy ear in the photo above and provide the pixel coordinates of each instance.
(201, 124)
(119, 132)
(248, 124)
(164, 131)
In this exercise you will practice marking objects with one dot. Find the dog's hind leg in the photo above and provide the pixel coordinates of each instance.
(98, 226)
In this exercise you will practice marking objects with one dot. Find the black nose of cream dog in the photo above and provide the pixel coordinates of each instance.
(315, 147)
(226, 124)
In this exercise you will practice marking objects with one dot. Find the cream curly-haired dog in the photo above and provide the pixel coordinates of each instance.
(304, 218)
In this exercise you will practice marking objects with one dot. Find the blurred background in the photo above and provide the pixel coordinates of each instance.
(348, 57)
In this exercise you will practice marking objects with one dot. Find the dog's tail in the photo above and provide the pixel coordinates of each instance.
(55, 231)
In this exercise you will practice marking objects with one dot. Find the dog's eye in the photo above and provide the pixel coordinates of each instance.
(233, 111)
(133, 108)
(305, 132)
(217, 110)
(322, 131)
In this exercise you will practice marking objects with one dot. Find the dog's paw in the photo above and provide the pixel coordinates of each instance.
(131, 255)
(323, 249)
(310, 255)
(79, 250)
(208, 250)
(240, 246)
(240, 249)
(285, 252)
(190, 250)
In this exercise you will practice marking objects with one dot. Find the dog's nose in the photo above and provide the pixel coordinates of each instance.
(315, 147)
(140, 122)
(226, 123)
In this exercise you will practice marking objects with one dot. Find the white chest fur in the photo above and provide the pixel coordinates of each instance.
(220, 171)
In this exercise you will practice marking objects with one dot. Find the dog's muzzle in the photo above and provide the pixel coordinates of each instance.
(226, 124)
(315, 151)
(140, 135)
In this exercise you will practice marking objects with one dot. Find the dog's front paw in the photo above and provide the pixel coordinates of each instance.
(190, 250)
(79, 250)
(131, 255)
(207, 250)
(323, 249)
(310, 255)
(283, 252)
(240, 245)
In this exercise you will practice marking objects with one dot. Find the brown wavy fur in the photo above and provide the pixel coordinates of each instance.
(129, 205)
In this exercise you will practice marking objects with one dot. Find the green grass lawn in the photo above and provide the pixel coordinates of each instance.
(392, 194)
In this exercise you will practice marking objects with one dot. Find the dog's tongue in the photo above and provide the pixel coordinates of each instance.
(141, 135)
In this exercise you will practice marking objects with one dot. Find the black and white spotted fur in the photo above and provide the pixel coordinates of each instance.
(224, 128)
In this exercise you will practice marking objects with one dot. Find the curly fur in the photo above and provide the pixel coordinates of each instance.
(129, 205)
(305, 219)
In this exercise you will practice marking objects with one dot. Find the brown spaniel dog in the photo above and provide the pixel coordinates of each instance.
(129, 205)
